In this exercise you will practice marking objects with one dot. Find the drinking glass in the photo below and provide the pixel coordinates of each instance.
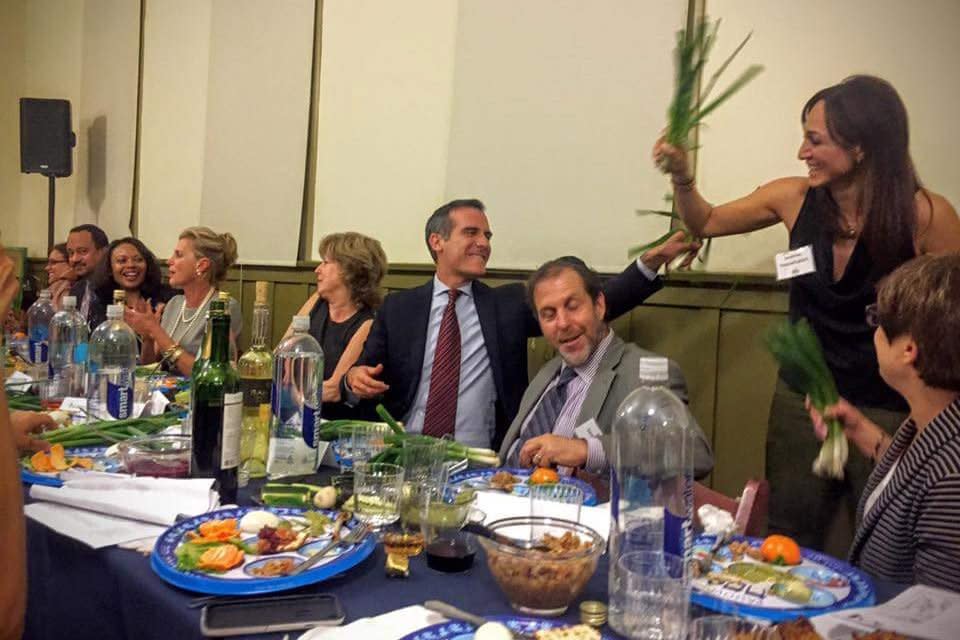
(727, 628)
(556, 501)
(443, 511)
(653, 594)
(366, 441)
(424, 462)
(376, 492)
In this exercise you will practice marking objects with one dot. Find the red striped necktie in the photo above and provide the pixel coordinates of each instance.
(441, 413)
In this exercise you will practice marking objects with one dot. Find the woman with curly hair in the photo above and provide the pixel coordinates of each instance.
(342, 309)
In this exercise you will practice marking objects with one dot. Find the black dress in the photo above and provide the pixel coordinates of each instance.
(801, 504)
(334, 338)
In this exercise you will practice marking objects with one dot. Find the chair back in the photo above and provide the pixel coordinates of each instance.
(749, 511)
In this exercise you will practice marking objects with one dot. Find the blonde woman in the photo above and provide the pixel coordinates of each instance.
(342, 309)
(174, 332)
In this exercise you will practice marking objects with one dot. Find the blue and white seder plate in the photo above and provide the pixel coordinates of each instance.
(238, 581)
(834, 585)
(480, 478)
(101, 462)
(464, 630)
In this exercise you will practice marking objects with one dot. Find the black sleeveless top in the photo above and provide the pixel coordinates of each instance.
(334, 338)
(836, 310)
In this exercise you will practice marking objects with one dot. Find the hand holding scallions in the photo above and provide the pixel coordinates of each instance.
(866, 436)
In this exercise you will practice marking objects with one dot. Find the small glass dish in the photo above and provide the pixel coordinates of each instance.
(158, 456)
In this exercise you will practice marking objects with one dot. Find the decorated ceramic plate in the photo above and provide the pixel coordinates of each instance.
(97, 457)
(480, 479)
(750, 587)
(464, 630)
(248, 576)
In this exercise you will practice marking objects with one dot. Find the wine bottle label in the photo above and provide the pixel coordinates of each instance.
(255, 391)
(230, 439)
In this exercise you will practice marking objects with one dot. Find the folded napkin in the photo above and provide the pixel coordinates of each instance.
(153, 500)
(96, 530)
(389, 626)
(499, 505)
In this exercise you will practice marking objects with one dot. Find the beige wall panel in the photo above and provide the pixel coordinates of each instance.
(53, 43)
(806, 46)
(556, 104)
(258, 100)
(106, 133)
(13, 16)
(384, 118)
(746, 375)
(176, 53)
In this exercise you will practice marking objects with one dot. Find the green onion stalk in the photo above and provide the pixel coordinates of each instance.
(687, 110)
(797, 350)
(397, 437)
(108, 431)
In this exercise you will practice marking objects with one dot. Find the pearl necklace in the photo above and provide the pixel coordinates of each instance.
(182, 317)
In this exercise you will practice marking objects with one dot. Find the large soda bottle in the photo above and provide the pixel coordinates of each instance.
(38, 333)
(216, 403)
(256, 374)
(651, 477)
(295, 403)
(112, 363)
(68, 353)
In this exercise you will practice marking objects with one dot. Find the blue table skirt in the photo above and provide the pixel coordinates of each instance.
(112, 593)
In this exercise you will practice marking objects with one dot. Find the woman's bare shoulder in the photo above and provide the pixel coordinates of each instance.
(938, 226)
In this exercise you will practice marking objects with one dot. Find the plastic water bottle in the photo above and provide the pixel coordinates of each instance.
(68, 353)
(38, 333)
(295, 403)
(651, 477)
(113, 359)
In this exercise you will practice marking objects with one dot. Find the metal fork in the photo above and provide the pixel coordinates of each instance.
(355, 536)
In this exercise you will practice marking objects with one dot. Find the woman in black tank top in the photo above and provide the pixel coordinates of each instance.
(342, 310)
(862, 211)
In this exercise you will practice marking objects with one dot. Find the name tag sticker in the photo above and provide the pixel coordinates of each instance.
(589, 429)
(798, 262)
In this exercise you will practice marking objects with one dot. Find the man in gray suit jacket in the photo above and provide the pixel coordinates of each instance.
(567, 412)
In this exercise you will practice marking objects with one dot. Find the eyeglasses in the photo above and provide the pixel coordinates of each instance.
(872, 315)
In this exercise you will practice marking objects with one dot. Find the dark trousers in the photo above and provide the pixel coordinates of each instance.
(818, 513)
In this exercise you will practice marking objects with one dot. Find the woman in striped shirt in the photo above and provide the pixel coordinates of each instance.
(909, 515)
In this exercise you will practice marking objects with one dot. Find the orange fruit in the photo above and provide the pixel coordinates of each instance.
(777, 549)
(543, 475)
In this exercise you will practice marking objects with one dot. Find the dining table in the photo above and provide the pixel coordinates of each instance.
(112, 593)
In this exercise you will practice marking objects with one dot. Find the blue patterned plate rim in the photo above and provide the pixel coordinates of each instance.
(589, 495)
(861, 590)
(163, 560)
(454, 629)
(110, 465)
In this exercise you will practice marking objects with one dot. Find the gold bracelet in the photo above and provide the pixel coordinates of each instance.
(172, 353)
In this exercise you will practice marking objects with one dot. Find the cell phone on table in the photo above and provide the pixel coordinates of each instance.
(271, 613)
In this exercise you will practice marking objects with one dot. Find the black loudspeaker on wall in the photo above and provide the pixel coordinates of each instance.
(46, 141)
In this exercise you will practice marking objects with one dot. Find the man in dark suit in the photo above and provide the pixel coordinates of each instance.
(566, 414)
(473, 337)
(86, 247)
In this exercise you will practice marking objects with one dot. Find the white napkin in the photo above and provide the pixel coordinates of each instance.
(388, 626)
(95, 530)
(151, 500)
(919, 612)
(499, 505)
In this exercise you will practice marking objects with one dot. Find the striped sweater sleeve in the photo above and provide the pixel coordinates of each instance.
(938, 539)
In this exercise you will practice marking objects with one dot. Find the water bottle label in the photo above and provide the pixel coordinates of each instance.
(38, 351)
(232, 421)
(80, 353)
(675, 534)
(311, 425)
(119, 399)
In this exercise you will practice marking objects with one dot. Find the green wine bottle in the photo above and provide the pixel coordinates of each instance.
(216, 404)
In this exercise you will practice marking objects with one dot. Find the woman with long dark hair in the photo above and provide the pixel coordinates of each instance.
(861, 211)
